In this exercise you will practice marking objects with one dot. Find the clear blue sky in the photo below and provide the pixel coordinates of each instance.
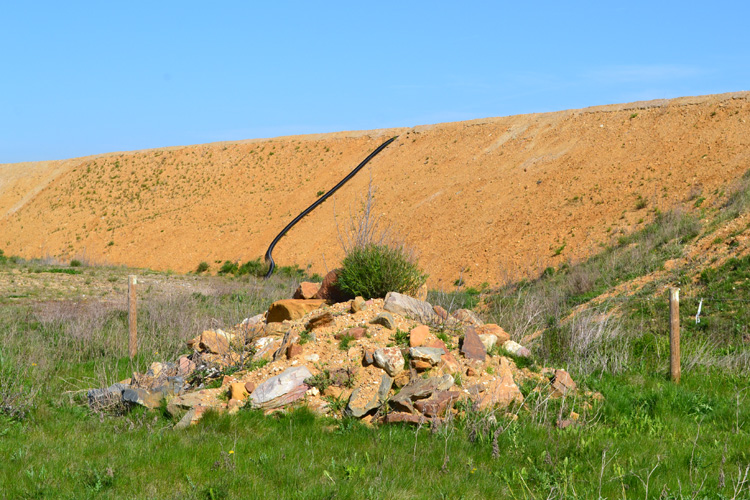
(81, 78)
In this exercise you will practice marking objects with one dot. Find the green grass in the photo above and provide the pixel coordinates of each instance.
(678, 441)
(63, 452)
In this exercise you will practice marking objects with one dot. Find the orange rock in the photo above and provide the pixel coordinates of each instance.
(237, 391)
(306, 290)
(503, 390)
(493, 329)
(418, 336)
(420, 365)
(293, 351)
(291, 309)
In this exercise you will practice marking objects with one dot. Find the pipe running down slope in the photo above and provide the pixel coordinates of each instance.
(269, 257)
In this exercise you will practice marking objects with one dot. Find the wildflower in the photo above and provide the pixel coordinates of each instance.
(231, 451)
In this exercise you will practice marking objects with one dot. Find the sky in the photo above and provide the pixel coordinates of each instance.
(81, 78)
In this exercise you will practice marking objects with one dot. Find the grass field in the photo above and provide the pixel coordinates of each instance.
(63, 329)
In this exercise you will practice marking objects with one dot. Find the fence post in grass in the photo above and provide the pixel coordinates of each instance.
(674, 334)
(132, 317)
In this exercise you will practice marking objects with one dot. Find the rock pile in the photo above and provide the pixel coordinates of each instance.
(397, 359)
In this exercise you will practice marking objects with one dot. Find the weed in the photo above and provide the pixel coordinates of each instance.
(346, 342)
(401, 338)
(374, 270)
(202, 267)
(305, 337)
(321, 381)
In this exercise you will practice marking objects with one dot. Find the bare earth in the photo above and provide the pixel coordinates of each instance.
(486, 199)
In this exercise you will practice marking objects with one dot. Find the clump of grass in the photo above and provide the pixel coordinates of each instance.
(375, 263)
(374, 270)
(401, 338)
(321, 381)
(202, 267)
(346, 342)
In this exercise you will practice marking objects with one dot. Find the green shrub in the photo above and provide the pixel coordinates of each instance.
(228, 267)
(202, 267)
(251, 267)
(75, 263)
(373, 270)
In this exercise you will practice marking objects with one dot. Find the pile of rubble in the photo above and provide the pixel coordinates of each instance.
(397, 359)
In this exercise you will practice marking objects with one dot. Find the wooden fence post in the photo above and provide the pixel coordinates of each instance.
(132, 317)
(674, 334)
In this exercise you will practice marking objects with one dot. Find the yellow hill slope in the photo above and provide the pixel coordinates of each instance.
(485, 199)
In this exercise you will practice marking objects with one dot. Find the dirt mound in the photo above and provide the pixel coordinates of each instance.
(484, 200)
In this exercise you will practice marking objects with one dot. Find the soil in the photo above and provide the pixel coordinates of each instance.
(484, 200)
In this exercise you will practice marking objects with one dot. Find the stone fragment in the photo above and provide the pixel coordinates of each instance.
(274, 330)
(471, 372)
(355, 333)
(255, 320)
(493, 329)
(389, 359)
(100, 398)
(562, 383)
(266, 347)
(214, 342)
(488, 341)
(516, 349)
(328, 290)
(429, 354)
(237, 391)
(421, 388)
(502, 391)
(420, 365)
(185, 366)
(208, 398)
(418, 335)
(143, 397)
(306, 290)
(359, 404)
(192, 417)
(449, 363)
(404, 418)
(312, 358)
(368, 357)
(384, 319)
(293, 351)
(402, 379)
(320, 321)
(468, 317)
(438, 344)
(249, 387)
(358, 304)
(290, 337)
(282, 389)
(435, 405)
(441, 312)
(291, 309)
(472, 347)
(401, 405)
(409, 307)
(564, 423)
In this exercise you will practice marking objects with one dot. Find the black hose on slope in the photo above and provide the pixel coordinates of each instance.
(269, 258)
